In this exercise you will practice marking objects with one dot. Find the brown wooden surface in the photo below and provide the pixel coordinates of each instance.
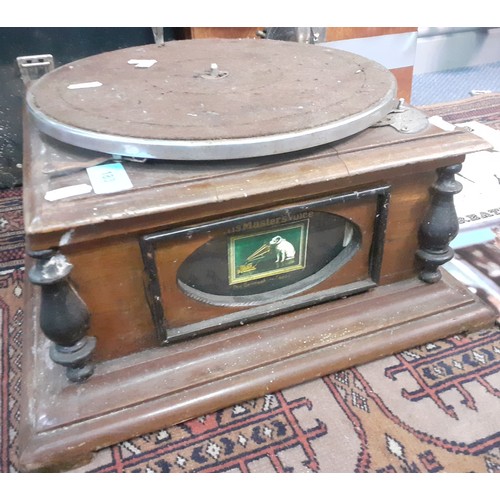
(110, 280)
(103, 232)
(190, 193)
(199, 32)
(139, 387)
(344, 33)
(404, 77)
(63, 423)
(182, 310)
(109, 274)
(332, 34)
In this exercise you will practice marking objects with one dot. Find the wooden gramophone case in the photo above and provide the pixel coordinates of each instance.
(175, 297)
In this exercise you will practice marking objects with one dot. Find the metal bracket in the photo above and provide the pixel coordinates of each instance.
(128, 158)
(301, 35)
(214, 73)
(404, 119)
(34, 67)
(159, 36)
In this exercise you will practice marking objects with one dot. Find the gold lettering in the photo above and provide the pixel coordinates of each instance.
(246, 268)
(262, 223)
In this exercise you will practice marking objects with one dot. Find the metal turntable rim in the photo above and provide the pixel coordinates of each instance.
(340, 94)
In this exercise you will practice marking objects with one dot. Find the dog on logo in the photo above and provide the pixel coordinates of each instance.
(283, 249)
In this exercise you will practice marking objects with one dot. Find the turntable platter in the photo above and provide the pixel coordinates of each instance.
(211, 99)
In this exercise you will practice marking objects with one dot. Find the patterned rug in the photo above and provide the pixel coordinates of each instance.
(434, 408)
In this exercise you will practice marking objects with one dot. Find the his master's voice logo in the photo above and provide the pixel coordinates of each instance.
(267, 253)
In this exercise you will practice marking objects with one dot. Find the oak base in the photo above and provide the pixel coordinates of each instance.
(63, 423)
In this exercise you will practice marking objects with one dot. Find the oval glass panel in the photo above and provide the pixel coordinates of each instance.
(263, 262)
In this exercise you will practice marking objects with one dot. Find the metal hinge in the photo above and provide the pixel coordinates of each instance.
(34, 67)
(404, 119)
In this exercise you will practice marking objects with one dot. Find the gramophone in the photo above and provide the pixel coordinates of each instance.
(211, 220)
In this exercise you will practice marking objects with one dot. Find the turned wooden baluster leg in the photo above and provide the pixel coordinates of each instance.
(440, 225)
(64, 317)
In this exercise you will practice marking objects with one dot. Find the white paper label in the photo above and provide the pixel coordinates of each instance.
(142, 63)
(487, 133)
(68, 191)
(442, 124)
(85, 85)
(109, 178)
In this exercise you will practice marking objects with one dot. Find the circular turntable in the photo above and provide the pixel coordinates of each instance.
(211, 99)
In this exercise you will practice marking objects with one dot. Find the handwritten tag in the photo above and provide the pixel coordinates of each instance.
(109, 178)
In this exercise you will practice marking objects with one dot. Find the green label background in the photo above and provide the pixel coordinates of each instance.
(241, 247)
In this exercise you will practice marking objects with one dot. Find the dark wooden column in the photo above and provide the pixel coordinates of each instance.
(64, 317)
(439, 226)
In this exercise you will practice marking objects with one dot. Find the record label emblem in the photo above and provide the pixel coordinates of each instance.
(276, 251)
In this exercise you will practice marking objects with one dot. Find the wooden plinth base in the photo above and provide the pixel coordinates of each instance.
(63, 423)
